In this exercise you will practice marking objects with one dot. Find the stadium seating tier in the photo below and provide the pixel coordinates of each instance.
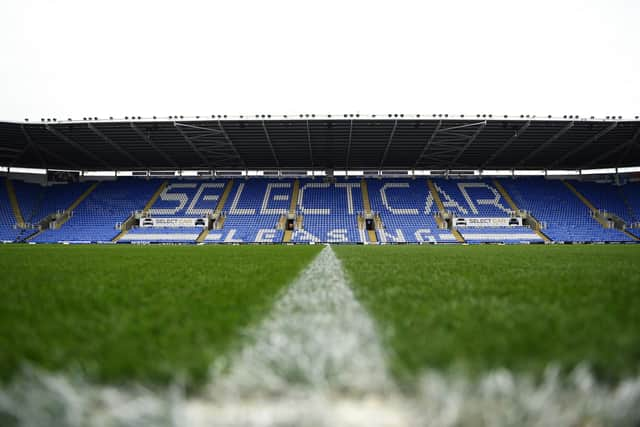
(326, 211)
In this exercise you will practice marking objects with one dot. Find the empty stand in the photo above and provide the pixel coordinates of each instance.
(324, 211)
(9, 230)
(609, 203)
(254, 211)
(174, 201)
(94, 220)
(564, 217)
(330, 211)
(630, 194)
(407, 212)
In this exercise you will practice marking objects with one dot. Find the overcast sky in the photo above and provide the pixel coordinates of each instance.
(115, 58)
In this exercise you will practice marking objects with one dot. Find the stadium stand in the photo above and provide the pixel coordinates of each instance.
(630, 194)
(330, 212)
(9, 231)
(37, 202)
(325, 211)
(472, 198)
(407, 212)
(481, 199)
(564, 217)
(177, 200)
(188, 199)
(606, 198)
(613, 204)
(255, 207)
(95, 219)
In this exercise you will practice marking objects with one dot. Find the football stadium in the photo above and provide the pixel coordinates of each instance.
(320, 270)
(358, 213)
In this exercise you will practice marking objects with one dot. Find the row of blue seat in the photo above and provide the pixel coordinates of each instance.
(330, 209)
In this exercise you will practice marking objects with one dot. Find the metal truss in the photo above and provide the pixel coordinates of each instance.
(213, 146)
(447, 144)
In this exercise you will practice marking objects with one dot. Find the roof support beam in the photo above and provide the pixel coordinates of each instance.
(545, 144)
(469, 142)
(507, 144)
(77, 146)
(186, 125)
(148, 140)
(386, 149)
(627, 144)
(268, 138)
(584, 145)
(192, 145)
(114, 144)
(30, 143)
(309, 143)
(428, 144)
(230, 142)
(346, 163)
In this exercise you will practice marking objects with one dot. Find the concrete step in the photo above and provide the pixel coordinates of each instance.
(436, 198)
(15, 206)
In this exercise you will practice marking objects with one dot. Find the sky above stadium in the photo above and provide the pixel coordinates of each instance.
(121, 58)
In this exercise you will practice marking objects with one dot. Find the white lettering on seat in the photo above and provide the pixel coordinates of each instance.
(267, 195)
(233, 210)
(495, 201)
(230, 239)
(385, 200)
(304, 235)
(424, 235)
(447, 201)
(337, 235)
(349, 186)
(265, 235)
(309, 211)
(386, 236)
(181, 198)
(429, 204)
(207, 198)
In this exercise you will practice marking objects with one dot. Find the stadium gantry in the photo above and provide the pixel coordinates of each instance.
(310, 179)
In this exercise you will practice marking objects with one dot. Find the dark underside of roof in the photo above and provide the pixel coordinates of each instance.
(322, 144)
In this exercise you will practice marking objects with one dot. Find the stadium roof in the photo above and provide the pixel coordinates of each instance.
(322, 143)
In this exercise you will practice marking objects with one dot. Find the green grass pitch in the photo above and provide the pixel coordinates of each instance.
(145, 313)
(477, 308)
(156, 314)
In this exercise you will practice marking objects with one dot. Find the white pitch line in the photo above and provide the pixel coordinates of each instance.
(316, 353)
(317, 335)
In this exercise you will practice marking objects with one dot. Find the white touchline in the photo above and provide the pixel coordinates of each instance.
(317, 335)
(317, 346)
